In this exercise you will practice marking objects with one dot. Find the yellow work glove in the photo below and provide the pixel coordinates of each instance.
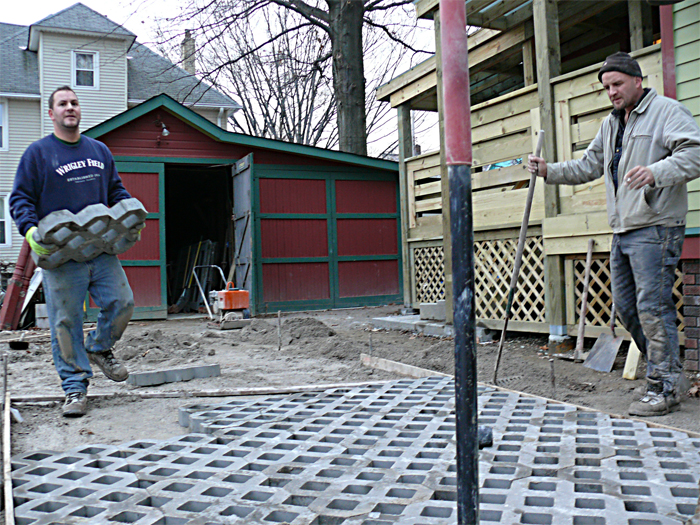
(136, 230)
(36, 246)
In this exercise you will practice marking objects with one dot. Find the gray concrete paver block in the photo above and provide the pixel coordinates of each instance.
(174, 375)
(372, 455)
(85, 235)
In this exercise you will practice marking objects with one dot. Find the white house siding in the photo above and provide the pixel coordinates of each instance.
(212, 115)
(24, 125)
(686, 25)
(55, 70)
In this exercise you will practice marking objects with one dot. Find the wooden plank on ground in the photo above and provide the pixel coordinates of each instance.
(398, 368)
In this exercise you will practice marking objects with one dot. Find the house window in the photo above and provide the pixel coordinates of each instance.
(3, 125)
(5, 232)
(86, 72)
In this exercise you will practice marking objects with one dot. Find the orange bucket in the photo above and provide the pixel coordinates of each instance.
(233, 298)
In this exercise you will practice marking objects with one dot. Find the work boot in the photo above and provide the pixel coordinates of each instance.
(109, 365)
(653, 403)
(75, 404)
(675, 398)
(639, 392)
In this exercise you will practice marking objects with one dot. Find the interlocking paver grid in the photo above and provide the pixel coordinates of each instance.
(373, 455)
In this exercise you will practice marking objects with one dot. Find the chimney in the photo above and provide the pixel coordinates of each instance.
(187, 52)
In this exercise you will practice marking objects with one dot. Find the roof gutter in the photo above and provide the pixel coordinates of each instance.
(32, 96)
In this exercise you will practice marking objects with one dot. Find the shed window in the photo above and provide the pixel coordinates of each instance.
(85, 69)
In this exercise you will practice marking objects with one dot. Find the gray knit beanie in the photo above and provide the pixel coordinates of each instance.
(621, 62)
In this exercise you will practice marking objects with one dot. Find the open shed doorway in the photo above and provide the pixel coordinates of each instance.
(198, 211)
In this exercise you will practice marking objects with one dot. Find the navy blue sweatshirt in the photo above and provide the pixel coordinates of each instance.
(54, 175)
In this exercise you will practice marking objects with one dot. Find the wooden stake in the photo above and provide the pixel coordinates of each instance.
(279, 330)
(551, 375)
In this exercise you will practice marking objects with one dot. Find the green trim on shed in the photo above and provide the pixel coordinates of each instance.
(220, 135)
(330, 175)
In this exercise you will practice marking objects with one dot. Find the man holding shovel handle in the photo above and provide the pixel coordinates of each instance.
(647, 149)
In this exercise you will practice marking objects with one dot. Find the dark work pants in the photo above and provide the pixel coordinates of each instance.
(643, 264)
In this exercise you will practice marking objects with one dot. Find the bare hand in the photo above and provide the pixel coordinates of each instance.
(638, 177)
(537, 165)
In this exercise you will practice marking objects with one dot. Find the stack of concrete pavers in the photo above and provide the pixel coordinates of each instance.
(84, 235)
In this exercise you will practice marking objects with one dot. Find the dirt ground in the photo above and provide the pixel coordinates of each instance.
(317, 348)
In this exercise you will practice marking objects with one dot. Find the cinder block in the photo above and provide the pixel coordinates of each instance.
(89, 233)
(435, 330)
(403, 322)
(433, 311)
(158, 377)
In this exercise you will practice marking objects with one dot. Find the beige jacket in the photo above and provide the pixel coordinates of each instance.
(660, 134)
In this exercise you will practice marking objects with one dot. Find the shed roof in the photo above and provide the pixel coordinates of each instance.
(203, 125)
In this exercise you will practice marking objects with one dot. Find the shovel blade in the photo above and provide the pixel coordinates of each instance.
(602, 355)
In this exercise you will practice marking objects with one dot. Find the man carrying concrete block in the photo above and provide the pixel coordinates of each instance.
(68, 171)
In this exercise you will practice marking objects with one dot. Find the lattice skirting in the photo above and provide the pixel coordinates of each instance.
(494, 261)
(600, 292)
(429, 274)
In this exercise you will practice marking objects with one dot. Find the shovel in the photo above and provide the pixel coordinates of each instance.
(602, 355)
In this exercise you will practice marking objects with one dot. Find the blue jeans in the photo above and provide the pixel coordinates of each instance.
(66, 288)
(643, 264)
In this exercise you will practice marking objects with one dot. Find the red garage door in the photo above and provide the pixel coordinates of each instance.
(326, 240)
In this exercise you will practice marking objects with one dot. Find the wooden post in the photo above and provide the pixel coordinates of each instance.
(634, 9)
(445, 183)
(548, 57)
(529, 62)
(405, 151)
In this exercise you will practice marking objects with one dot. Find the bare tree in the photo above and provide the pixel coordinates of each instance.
(285, 86)
(338, 27)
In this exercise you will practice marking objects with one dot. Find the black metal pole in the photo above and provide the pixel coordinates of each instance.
(466, 411)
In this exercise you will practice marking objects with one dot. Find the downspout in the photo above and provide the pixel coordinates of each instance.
(668, 52)
(221, 118)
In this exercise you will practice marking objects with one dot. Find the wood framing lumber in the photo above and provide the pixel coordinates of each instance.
(398, 368)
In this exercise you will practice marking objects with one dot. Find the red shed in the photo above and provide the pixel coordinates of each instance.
(302, 227)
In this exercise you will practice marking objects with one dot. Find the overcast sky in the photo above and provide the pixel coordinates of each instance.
(137, 16)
